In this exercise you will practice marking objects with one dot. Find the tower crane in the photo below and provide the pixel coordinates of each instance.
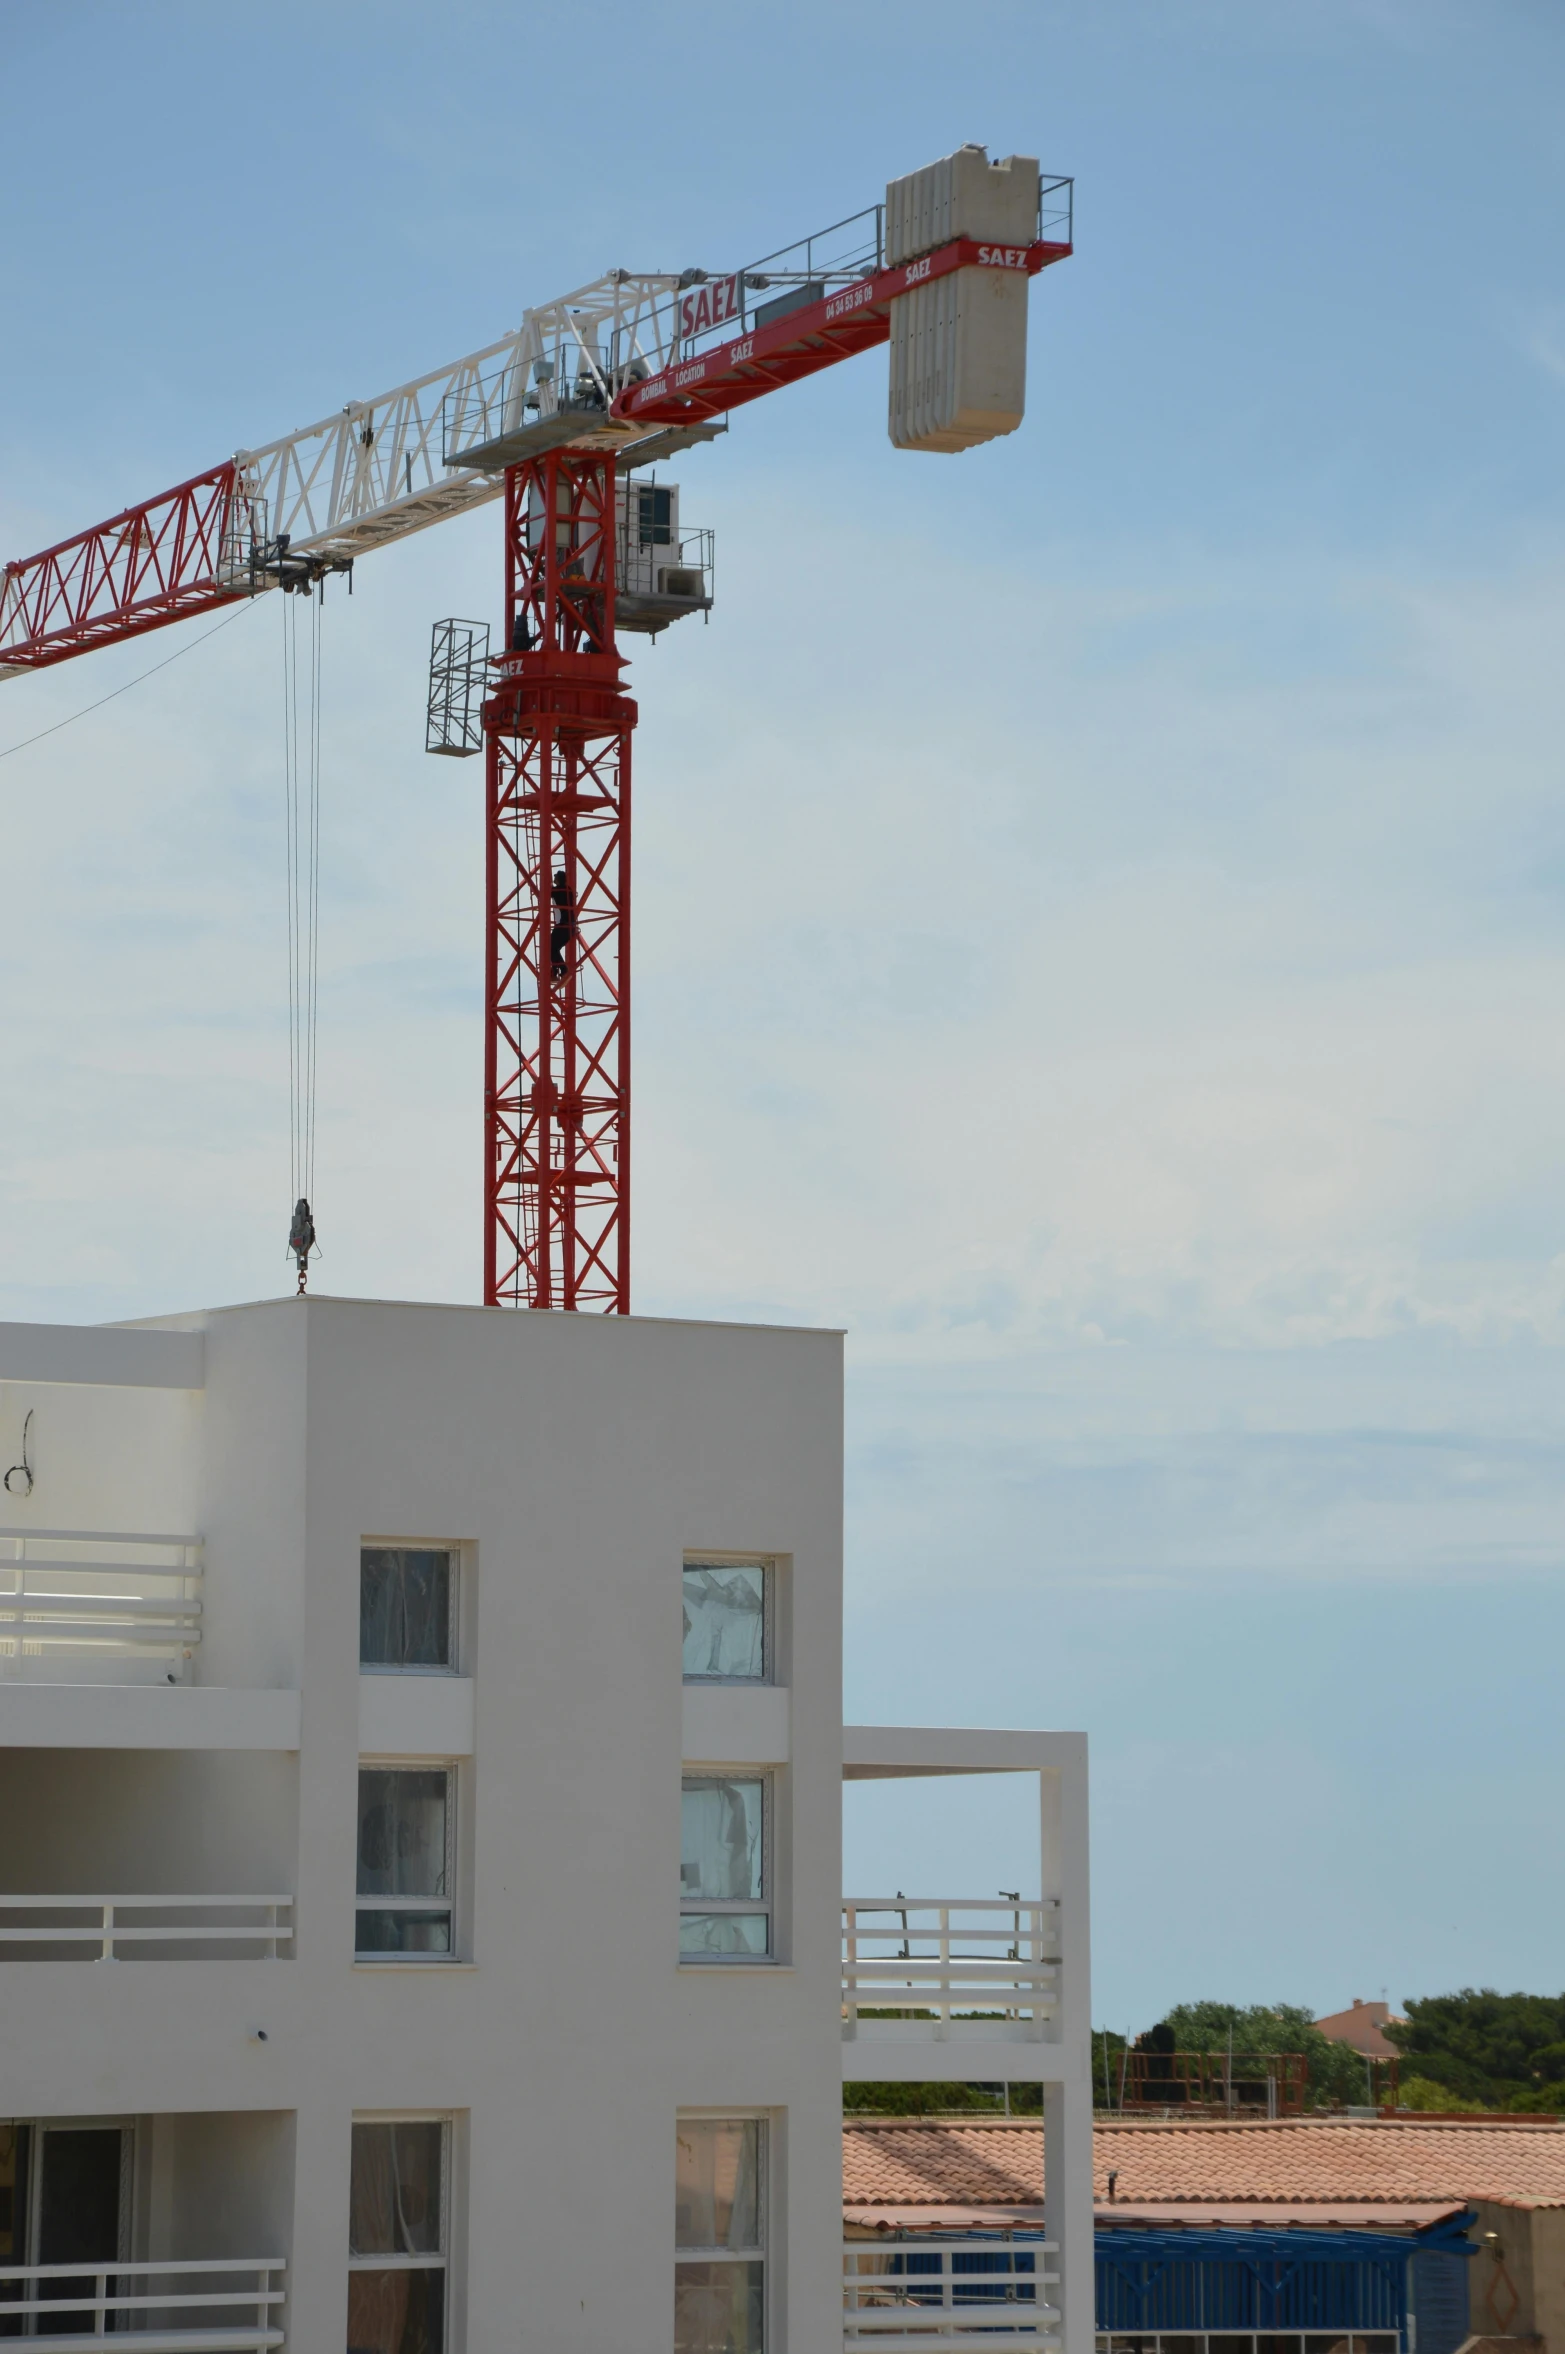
(552, 420)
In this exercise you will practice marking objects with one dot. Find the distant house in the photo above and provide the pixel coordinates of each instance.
(1400, 2235)
(1362, 2028)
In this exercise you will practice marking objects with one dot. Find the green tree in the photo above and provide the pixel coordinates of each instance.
(1016, 2100)
(921, 2100)
(1336, 2075)
(1481, 2050)
(1108, 2050)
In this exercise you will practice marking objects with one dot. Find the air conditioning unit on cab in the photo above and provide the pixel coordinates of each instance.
(679, 580)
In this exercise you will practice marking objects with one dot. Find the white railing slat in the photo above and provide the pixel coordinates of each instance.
(109, 1930)
(214, 2283)
(57, 1604)
(1000, 2306)
(944, 1957)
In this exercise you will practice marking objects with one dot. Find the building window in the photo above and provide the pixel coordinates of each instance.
(724, 1874)
(720, 2235)
(728, 1636)
(407, 1606)
(397, 2234)
(407, 1837)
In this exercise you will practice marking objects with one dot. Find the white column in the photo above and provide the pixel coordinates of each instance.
(1067, 2105)
(1067, 2168)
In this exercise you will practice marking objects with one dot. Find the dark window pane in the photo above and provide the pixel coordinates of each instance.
(402, 1831)
(394, 2205)
(403, 1932)
(404, 1607)
(78, 2195)
(13, 2200)
(655, 515)
(396, 2312)
(718, 2308)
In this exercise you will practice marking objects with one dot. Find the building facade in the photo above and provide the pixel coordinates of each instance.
(420, 1910)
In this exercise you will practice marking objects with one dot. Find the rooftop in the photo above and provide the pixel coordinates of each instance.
(917, 2165)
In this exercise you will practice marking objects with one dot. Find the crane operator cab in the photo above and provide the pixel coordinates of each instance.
(664, 570)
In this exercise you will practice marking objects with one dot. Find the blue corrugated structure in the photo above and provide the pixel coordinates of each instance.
(1409, 2287)
(1156, 2282)
(1440, 2298)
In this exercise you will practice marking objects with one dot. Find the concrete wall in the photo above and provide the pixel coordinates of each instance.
(217, 2184)
(146, 1822)
(1517, 2279)
(1548, 2276)
(103, 1458)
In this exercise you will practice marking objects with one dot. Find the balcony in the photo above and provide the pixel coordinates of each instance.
(214, 2305)
(144, 1928)
(94, 1606)
(146, 1855)
(901, 2296)
(917, 1970)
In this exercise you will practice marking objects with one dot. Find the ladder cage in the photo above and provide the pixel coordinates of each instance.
(458, 683)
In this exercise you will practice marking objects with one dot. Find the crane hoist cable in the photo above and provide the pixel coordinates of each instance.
(302, 833)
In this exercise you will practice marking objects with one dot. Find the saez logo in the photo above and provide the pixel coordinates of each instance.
(1002, 257)
(711, 305)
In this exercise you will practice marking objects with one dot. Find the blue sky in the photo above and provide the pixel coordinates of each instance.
(1099, 900)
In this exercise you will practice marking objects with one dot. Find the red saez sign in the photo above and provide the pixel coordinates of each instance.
(712, 305)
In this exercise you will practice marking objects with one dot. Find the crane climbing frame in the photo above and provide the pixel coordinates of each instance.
(620, 373)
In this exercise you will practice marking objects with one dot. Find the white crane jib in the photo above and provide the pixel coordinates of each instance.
(383, 468)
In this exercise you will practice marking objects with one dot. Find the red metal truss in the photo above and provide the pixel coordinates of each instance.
(851, 319)
(557, 1052)
(147, 566)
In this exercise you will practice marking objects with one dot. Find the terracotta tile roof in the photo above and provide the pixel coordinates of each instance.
(876, 2215)
(909, 2162)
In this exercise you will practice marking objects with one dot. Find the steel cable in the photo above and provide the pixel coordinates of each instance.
(302, 850)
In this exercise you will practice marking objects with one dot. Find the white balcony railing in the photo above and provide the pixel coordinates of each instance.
(215, 2305)
(922, 1968)
(106, 1606)
(116, 1928)
(909, 2294)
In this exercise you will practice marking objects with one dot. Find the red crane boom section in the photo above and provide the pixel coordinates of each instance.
(145, 567)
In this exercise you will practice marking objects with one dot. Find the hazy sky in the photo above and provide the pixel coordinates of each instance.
(1099, 901)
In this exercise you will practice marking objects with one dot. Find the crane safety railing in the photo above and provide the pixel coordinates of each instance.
(643, 568)
(118, 1928)
(206, 2305)
(901, 2295)
(932, 1966)
(743, 300)
(69, 1597)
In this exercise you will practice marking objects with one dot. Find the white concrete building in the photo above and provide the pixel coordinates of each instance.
(366, 1670)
